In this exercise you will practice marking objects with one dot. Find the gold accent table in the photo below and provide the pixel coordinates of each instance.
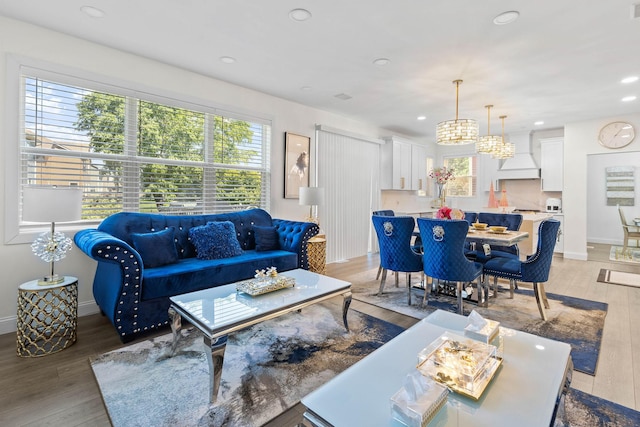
(47, 317)
(317, 253)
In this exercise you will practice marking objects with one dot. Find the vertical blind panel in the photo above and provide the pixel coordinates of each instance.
(348, 169)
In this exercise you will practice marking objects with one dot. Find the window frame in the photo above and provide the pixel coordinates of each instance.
(18, 67)
(473, 158)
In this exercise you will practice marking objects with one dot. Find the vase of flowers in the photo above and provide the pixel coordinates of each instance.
(441, 176)
(446, 212)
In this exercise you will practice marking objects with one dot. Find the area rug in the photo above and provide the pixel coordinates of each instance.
(267, 369)
(618, 253)
(615, 277)
(576, 321)
(585, 410)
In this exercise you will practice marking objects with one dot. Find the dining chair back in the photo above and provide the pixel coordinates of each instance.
(444, 259)
(512, 222)
(394, 237)
(534, 270)
(385, 212)
(631, 231)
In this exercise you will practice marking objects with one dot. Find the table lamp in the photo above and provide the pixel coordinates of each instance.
(51, 204)
(312, 196)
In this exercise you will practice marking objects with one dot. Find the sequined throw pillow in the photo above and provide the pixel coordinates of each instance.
(215, 240)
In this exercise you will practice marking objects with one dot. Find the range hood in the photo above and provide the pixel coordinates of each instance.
(521, 165)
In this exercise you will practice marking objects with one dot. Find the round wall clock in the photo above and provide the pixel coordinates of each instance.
(616, 135)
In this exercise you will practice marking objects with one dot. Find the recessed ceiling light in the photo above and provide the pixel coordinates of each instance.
(92, 11)
(629, 79)
(629, 98)
(506, 17)
(305, 88)
(300, 15)
(422, 117)
(343, 96)
(538, 123)
(381, 61)
(227, 59)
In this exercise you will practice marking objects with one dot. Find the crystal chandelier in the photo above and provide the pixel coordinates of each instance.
(505, 150)
(458, 131)
(486, 144)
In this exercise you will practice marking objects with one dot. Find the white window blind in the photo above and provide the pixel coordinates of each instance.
(465, 172)
(133, 154)
(349, 170)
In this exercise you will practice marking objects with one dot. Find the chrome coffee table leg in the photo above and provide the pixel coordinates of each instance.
(215, 358)
(176, 327)
(346, 302)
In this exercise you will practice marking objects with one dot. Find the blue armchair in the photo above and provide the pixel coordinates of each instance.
(394, 236)
(534, 270)
(444, 258)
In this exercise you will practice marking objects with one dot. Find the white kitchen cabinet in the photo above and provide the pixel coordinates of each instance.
(552, 163)
(418, 168)
(403, 165)
(559, 248)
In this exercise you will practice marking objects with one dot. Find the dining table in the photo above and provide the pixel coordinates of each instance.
(506, 238)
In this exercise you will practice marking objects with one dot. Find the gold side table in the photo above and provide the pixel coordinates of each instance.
(317, 252)
(47, 317)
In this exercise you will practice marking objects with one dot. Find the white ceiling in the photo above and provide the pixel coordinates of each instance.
(560, 62)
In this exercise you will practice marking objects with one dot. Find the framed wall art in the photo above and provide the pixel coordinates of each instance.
(296, 164)
(620, 185)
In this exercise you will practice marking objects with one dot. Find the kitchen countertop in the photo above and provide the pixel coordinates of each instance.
(537, 216)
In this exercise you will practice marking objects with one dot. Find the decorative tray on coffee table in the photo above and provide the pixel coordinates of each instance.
(256, 287)
(464, 365)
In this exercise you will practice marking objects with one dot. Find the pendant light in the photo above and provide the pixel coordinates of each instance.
(487, 144)
(505, 150)
(458, 131)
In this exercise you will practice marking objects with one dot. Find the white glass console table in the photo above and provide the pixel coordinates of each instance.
(525, 391)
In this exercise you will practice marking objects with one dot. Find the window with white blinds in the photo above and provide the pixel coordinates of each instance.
(140, 155)
(465, 173)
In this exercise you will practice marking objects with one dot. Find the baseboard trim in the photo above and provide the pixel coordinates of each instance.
(8, 324)
(581, 256)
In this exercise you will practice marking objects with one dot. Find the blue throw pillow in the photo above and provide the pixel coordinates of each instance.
(266, 238)
(215, 240)
(157, 248)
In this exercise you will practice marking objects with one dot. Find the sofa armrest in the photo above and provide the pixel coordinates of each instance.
(118, 278)
(294, 236)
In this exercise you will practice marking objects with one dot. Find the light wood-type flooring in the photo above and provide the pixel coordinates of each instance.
(60, 390)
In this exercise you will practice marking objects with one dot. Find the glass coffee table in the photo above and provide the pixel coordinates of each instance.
(220, 311)
(525, 392)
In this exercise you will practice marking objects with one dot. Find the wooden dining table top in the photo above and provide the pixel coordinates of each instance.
(508, 238)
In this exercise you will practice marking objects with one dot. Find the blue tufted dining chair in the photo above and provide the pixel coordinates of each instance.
(444, 258)
(384, 212)
(394, 237)
(534, 270)
(512, 222)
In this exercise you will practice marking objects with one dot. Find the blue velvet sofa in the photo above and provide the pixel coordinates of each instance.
(143, 259)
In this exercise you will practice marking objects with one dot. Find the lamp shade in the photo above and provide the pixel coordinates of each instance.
(311, 196)
(51, 204)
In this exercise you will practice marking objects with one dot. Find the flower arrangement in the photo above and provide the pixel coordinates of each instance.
(441, 175)
(446, 212)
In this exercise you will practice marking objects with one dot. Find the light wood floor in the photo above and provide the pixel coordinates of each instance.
(60, 390)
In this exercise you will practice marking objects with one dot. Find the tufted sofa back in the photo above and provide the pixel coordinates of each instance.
(123, 224)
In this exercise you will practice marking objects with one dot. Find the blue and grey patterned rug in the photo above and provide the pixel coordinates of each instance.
(267, 369)
(576, 321)
(585, 410)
